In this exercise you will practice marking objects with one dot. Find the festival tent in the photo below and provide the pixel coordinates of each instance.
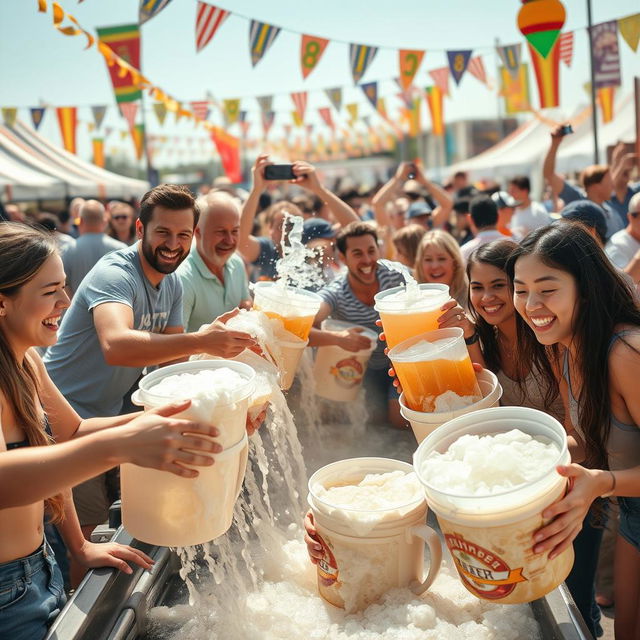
(25, 156)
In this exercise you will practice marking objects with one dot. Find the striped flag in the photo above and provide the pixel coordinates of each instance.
(208, 19)
(566, 47)
(441, 78)
(511, 55)
(476, 69)
(267, 121)
(37, 113)
(129, 111)
(200, 109)
(137, 134)
(335, 95)
(325, 114)
(370, 90)
(547, 71)
(360, 57)
(68, 121)
(261, 37)
(150, 8)
(300, 102)
(436, 109)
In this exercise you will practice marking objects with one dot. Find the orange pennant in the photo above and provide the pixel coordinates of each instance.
(410, 60)
(68, 121)
(311, 50)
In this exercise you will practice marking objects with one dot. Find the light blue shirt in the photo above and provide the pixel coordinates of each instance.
(204, 296)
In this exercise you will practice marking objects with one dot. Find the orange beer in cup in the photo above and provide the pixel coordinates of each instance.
(406, 313)
(434, 366)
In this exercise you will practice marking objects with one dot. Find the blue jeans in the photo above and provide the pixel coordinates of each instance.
(31, 595)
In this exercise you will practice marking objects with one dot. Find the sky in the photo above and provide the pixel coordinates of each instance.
(39, 64)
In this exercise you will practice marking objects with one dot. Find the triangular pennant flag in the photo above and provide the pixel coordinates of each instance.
(150, 8)
(540, 23)
(325, 114)
(300, 103)
(98, 151)
(410, 60)
(382, 108)
(98, 114)
(208, 19)
(371, 91)
(436, 109)
(200, 109)
(547, 72)
(311, 50)
(515, 91)
(414, 117)
(629, 28)
(511, 55)
(244, 123)
(266, 103)
(476, 69)
(367, 121)
(441, 78)
(129, 111)
(335, 96)
(261, 37)
(68, 121)
(360, 57)
(566, 47)
(231, 110)
(160, 109)
(297, 120)
(352, 110)
(605, 97)
(37, 113)
(137, 134)
(458, 62)
(267, 121)
(9, 115)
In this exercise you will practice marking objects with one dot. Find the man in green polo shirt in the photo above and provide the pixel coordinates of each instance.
(213, 276)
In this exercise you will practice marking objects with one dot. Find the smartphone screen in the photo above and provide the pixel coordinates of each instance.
(279, 172)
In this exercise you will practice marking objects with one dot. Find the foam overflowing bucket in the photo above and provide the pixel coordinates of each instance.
(368, 551)
(161, 508)
(338, 373)
(490, 535)
(423, 423)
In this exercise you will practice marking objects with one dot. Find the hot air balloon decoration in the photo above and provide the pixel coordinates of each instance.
(540, 21)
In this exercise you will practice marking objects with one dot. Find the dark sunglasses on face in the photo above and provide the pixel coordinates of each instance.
(120, 217)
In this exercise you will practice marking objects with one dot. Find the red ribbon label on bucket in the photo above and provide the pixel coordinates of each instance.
(484, 573)
(327, 566)
(348, 372)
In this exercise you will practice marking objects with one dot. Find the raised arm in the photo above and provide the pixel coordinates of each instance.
(445, 202)
(248, 244)
(556, 181)
(388, 191)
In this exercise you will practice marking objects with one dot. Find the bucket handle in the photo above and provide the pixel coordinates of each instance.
(435, 549)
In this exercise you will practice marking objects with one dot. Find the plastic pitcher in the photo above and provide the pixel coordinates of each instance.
(367, 553)
(338, 373)
(404, 317)
(435, 371)
(296, 308)
(290, 351)
(491, 537)
(423, 423)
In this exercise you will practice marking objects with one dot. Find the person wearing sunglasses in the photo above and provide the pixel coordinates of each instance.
(623, 248)
(122, 223)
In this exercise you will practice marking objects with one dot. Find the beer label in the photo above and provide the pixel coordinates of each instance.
(348, 372)
(484, 573)
(327, 566)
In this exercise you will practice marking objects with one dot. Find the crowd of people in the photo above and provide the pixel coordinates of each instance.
(545, 292)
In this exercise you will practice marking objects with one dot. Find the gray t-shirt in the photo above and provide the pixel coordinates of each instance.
(76, 362)
(79, 259)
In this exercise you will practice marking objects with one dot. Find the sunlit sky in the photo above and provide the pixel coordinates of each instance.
(37, 63)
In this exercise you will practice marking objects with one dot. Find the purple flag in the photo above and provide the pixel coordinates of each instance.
(606, 54)
(458, 62)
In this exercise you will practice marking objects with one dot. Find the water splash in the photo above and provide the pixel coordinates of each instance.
(411, 284)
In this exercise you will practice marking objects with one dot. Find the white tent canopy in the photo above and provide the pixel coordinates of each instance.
(33, 168)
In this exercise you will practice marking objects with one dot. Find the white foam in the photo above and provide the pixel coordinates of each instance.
(211, 386)
(451, 401)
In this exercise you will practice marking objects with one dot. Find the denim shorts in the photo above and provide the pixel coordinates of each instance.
(31, 595)
(630, 520)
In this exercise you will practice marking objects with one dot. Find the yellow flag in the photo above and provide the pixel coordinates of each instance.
(297, 118)
(352, 109)
(9, 115)
(629, 28)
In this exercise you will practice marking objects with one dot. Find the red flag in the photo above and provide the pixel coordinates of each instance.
(300, 102)
(229, 149)
(208, 19)
(325, 114)
(311, 50)
(129, 111)
(200, 109)
(566, 47)
(441, 79)
(123, 40)
(476, 68)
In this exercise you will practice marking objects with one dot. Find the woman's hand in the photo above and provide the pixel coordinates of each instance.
(110, 554)
(454, 316)
(314, 548)
(353, 340)
(567, 514)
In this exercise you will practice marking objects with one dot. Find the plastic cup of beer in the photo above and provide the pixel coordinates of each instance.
(435, 371)
(405, 314)
(295, 308)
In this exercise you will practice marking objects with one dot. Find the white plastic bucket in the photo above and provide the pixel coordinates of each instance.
(338, 373)
(491, 537)
(424, 423)
(367, 553)
(291, 351)
(164, 509)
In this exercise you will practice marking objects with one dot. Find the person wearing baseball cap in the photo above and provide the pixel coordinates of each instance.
(506, 205)
(420, 213)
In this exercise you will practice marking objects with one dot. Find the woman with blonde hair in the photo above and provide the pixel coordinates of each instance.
(439, 260)
(406, 242)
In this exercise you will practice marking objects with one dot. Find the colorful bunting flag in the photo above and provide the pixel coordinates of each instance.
(606, 54)
(352, 110)
(68, 121)
(410, 61)
(325, 114)
(98, 113)
(441, 78)
(370, 90)
(629, 28)
(360, 57)
(37, 113)
(123, 40)
(476, 69)
(98, 151)
(208, 20)
(382, 108)
(511, 55)
(515, 90)
(9, 115)
(605, 98)
(267, 121)
(266, 103)
(150, 8)
(458, 62)
(261, 37)
(414, 117)
(129, 111)
(311, 50)
(566, 48)
(335, 96)
(200, 109)
(231, 110)
(297, 119)
(160, 109)
(435, 101)
(300, 103)
(137, 135)
(91, 127)
(547, 72)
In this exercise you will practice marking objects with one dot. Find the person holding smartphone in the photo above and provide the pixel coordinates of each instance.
(263, 252)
